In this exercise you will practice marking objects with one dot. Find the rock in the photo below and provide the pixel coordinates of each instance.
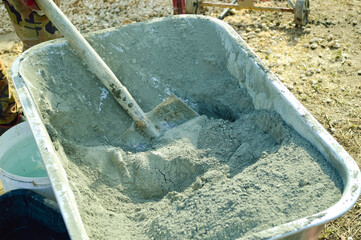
(328, 100)
(318, 70)
(348, 62)
(359, 73)
(248, 29)
(329, 37)
(315, 40)
(307, 30)
(331, 44)
(308, 73)
(334, 44)
(313, 46)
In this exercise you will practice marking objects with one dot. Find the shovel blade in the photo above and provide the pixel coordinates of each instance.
(171, 113)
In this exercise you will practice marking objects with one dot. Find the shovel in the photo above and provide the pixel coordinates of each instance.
(168, 114)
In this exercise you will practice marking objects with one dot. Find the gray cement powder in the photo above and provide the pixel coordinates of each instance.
(206, 179)
(228, 173)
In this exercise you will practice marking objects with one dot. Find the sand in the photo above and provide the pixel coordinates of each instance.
(228, 173)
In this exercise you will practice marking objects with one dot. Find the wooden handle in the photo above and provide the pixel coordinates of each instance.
(98, 66)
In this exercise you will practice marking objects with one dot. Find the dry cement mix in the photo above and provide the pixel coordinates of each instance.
(228, 173)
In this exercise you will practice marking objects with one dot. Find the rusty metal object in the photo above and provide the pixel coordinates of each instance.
(246, 4)
(302, 9)
(179, 7)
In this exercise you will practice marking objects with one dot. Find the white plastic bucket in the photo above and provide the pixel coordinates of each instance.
(21, 165)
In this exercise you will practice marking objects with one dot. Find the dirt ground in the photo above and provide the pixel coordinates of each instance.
(320, 63)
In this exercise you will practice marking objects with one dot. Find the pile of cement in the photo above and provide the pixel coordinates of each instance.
(206, 179)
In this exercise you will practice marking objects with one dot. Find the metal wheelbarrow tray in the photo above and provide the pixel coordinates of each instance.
(120, 49)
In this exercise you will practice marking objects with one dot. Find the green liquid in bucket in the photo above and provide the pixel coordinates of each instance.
(24, 159)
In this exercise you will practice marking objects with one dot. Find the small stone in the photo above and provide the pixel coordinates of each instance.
(336, 46)
(306, 45)
(354, 23)
(269, 51)
(257, 30)
(313, 46)
(329, 37)
(348, 62)
(300, 91)
(290, 87)
(328, 100)
(308, 73)
(307, 30)
(315, 40)
(359, 73)
(331, 44)
(314, 82)
(342, 89)
(248, 29)
(311, 70)
(302, 75)
(318, 70)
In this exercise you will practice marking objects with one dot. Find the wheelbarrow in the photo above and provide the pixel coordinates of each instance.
(300, 9)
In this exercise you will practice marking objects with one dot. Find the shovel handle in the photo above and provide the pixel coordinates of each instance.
(98, 66)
